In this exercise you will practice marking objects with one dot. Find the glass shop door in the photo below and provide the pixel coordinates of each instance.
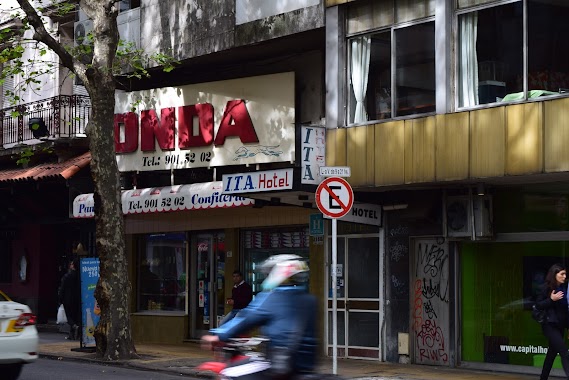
(207, 300)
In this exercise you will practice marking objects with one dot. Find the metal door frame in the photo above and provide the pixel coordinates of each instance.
(342, 301)
(192, 288)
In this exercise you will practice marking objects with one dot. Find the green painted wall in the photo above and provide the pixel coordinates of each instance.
(495, 279)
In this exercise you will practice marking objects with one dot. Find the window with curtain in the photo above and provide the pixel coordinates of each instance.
(491, 47)
(370, 77)
(490, 54)
(371, 73)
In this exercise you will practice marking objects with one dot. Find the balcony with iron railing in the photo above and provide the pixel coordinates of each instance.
(51, 119)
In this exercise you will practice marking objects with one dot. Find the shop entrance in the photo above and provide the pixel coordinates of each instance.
(358, 298)
(207, 268)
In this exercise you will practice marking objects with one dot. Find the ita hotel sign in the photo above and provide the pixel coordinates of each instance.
(269, 180)
(313, 154)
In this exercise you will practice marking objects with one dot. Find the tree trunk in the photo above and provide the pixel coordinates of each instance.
(112, 334)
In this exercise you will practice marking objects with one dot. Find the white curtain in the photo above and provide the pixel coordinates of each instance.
(468, 78)
(360, 69)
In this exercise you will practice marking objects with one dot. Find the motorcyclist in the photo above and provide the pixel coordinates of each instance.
(286, 314)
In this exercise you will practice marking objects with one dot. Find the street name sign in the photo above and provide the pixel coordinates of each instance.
(335, 171)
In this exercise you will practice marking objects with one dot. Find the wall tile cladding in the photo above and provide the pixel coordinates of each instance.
(192, 28)
(494, 142)
(187, 28)
(280, 25)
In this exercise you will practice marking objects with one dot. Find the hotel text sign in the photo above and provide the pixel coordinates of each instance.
(269, 180)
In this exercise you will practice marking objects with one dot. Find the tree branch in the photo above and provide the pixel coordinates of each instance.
(42, 35)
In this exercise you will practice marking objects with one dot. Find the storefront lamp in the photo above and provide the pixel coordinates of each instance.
(480, 189)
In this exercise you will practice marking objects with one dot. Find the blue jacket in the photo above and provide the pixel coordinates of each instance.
(280, 314)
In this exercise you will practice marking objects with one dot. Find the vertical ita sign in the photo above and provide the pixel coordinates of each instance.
(89, 308)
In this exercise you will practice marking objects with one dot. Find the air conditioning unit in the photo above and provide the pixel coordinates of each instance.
(80, 31)
(459, 216)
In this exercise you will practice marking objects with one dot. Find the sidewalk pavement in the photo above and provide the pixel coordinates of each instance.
(183, 360)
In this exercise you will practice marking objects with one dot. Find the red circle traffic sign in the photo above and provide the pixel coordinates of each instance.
(334, 197)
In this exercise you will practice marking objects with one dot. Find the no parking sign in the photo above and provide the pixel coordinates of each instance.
(334, 197)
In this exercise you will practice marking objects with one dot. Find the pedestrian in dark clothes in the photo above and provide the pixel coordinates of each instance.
(241, 295)
(69, 295)
(553, 300)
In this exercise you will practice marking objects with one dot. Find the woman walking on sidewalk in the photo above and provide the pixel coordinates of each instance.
(69, 295)
(553, 300)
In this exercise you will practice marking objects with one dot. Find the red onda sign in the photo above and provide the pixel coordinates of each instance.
(236, 122)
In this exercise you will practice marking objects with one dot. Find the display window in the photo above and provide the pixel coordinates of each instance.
(161, 272)
(499, 283)
(259, 245)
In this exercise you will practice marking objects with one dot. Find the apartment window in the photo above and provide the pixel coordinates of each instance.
(125, 5)
(491, 52)
(7, 88)
(415, 69)
(372, 70)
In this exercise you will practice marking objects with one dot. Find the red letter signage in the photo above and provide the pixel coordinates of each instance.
(236, 122)
(128, 121)
(186, 114)
(152, 128)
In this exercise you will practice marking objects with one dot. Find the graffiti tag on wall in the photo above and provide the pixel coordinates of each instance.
(431, 302)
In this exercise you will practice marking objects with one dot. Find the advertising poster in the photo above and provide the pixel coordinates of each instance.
(89, 308)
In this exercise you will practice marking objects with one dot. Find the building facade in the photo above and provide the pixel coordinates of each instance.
(453, 115)
(220, 157)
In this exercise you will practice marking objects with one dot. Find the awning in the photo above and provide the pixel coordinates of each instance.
(58, 170)
(197, 196)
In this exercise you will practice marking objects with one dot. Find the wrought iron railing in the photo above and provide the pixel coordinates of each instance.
(64, 116)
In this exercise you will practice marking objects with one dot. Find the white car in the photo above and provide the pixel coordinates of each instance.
(18, 337)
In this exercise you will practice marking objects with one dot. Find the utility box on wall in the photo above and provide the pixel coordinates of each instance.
(403, 343)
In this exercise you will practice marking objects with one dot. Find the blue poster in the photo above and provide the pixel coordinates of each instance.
(89, 308)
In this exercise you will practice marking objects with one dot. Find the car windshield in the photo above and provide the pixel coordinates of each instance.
(3, 297)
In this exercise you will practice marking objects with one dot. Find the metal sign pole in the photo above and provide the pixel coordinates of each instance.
(328, 198)
(334, 297)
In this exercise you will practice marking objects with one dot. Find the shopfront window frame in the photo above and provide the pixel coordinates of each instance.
(393, 102)
(140, 254)
(252, 275)
(525, 95)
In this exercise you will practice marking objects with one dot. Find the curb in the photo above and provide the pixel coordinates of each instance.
(131, 363)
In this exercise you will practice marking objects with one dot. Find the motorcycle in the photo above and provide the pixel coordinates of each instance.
(237, 350)
(246, 359)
